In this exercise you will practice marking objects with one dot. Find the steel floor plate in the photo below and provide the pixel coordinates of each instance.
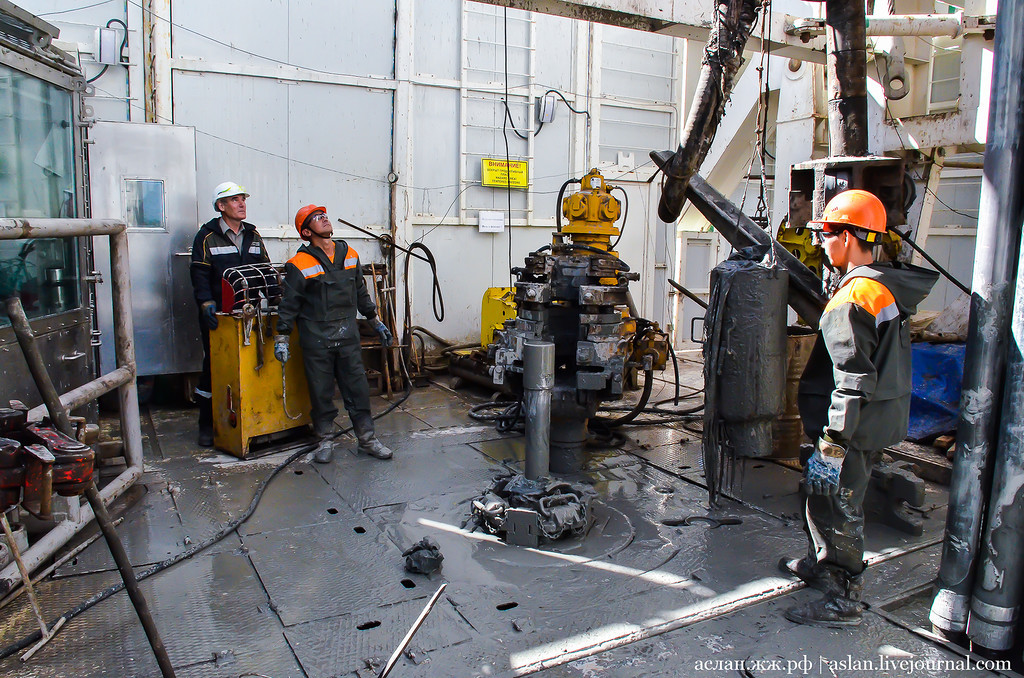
(330, 569)
(212, 605)
(343, 645)
(420, 467)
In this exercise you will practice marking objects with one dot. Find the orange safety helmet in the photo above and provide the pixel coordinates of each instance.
(855, 209)
(303, 214)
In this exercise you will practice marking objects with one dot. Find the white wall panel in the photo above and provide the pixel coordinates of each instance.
(345, 36)
(436, 36)
(257, 27)
(241, 135)
(634, 130)
(435, 170)
(339, 142)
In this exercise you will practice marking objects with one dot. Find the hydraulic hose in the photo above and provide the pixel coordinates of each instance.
(558, 203)
(637, 409)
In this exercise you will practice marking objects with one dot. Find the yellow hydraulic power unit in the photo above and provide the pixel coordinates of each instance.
(499, 305)
(253, 394)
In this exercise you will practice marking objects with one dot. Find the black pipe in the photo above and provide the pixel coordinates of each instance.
(379, 238)
(124, 566)
(846, 40)
(996, 255)
(26, 338)
(723, 56)
(805, 295)
(999, 584)
(689, 295)
(917, 248)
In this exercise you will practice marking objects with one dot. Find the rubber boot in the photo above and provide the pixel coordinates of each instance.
(324, 451)
(368, 443)
(838, 608)
(810, 571)
(205, 438)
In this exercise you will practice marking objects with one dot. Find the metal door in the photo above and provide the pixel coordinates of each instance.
(146, 174)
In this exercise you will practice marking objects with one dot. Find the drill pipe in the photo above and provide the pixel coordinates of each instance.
(999, 219)
(805, 295)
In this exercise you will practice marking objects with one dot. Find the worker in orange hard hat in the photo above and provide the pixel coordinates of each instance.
(225, 241)
(323, 289)
(854, 400)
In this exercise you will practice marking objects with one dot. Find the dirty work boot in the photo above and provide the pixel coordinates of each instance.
(362, 425)
(374, 447)
(838, 608)
(324, 451)
(205, 438)
(807, 569)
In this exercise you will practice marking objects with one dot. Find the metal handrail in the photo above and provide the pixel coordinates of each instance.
(122, 378)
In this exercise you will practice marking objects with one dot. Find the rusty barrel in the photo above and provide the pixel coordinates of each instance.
(788, 430)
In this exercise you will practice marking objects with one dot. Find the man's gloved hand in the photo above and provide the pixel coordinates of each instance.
(209, 311)
(385, 334)
(821, 475)
(281, 347)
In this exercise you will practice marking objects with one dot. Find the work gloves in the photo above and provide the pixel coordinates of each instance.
(281, 347)
(209, 312)
(381, 329)
(821, 475)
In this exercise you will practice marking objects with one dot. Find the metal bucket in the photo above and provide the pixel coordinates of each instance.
(788, 430)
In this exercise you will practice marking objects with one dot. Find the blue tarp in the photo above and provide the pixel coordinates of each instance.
(938, 372)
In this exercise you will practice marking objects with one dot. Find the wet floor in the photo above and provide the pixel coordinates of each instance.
(313, 584)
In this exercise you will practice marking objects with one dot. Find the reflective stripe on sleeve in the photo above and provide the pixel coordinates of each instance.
(312, 271)
(254, 249)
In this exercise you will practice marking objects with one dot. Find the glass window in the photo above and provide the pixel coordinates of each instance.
(37, 179)
(945, 75)
(145, 201)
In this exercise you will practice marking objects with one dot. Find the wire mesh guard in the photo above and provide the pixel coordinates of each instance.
(249, 284)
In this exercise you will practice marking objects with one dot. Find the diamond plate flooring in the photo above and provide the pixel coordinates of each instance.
(313, 584)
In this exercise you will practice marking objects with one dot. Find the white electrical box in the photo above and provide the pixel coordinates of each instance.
(546, 108)
(108, 47)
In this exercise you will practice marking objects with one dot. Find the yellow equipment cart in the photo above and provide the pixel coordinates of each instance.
(253, 394)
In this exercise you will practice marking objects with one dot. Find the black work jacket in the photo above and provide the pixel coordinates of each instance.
(323, 297)
(213, 253)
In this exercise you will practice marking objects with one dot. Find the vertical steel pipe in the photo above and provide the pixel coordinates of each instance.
(846, 36)
(124, 347)
(996, 254)
(538, 380)
(36, 365)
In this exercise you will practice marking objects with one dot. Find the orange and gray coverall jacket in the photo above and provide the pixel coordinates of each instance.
(856, 386)
(322, 297)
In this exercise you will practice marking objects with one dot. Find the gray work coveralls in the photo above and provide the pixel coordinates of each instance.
(322, 297)
(856, 389)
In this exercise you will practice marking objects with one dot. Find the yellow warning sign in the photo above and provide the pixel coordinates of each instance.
(502, 174)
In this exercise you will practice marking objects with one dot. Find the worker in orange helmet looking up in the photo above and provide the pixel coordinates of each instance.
(854, 400)
(323, 289)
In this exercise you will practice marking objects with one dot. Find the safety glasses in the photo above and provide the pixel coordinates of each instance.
(820, 235)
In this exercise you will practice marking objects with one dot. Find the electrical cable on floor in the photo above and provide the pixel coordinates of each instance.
(225, 531)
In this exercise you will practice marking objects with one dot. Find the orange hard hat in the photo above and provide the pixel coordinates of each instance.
(304, 213)
(854, 209)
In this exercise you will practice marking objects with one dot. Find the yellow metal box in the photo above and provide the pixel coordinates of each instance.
(251, 398)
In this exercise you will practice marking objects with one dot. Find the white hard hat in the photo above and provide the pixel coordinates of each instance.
(226, 190)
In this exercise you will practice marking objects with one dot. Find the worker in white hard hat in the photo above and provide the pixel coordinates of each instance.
(223, 242)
